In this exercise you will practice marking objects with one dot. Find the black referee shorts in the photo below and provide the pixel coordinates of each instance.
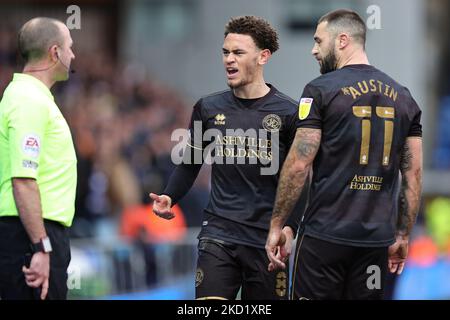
(325, 270)
(223, 268)
(15, 252)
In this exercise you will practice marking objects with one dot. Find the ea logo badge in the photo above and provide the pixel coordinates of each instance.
(271, 123)
(31, 145)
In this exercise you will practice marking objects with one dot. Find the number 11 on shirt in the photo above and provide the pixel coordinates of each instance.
(387, 113)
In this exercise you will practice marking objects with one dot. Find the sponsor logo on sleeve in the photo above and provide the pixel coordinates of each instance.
(30, 164)
(304, 107)
(31, 145)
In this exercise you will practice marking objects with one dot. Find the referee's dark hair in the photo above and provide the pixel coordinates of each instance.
(37, 36)
(344, 20)
(262, 33)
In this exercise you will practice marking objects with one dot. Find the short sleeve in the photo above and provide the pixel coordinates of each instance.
(309, 108)
(27, 123)
(415, 130)
(293, 125)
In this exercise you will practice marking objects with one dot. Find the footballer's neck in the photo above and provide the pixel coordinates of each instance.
(252, 90)
(357, 56)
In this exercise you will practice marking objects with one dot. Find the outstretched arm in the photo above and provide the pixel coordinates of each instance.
(180, 183)
(183, 177)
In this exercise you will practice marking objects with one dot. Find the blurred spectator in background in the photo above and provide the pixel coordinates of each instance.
(121, 128)
(441, 159)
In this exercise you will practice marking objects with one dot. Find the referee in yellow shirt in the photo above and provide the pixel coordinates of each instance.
(37, 169)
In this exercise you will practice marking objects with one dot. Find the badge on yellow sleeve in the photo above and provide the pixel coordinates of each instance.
(304, 107)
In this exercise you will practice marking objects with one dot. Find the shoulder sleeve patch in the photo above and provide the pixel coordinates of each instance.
(31, 145)
(304, 107)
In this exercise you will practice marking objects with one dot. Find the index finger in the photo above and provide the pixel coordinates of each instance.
(44, 289)
(273, 258)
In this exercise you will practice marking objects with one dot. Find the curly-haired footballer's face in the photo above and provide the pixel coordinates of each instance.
(240, 58)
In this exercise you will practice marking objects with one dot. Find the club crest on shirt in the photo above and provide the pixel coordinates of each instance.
(31, 145)
(304, 107)
(271, 123)
(220, 119)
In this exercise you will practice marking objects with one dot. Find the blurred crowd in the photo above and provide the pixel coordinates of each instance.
(121, 121)
(441, 155)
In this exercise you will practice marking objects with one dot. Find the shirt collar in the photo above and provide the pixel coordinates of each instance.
(38, 83)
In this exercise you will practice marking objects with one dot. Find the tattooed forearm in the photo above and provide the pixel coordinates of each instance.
(403, 216)
(288, 192)
(405, 165)
(405, 158)
(295, 171)
(411, 188)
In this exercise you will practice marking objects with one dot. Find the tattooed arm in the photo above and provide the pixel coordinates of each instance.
(292, 179)
(410, 192)
(411, 169)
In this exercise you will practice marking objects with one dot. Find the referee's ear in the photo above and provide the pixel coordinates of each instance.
(264, 56)
(54, 53)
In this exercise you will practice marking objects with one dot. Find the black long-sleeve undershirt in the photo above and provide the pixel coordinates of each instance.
(181, 181)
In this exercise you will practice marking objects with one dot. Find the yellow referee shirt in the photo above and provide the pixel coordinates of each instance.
(35, 142)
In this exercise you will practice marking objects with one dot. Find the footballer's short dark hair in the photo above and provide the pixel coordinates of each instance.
(344, 20)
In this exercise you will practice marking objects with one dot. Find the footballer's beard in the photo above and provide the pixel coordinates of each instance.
(329, 62)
